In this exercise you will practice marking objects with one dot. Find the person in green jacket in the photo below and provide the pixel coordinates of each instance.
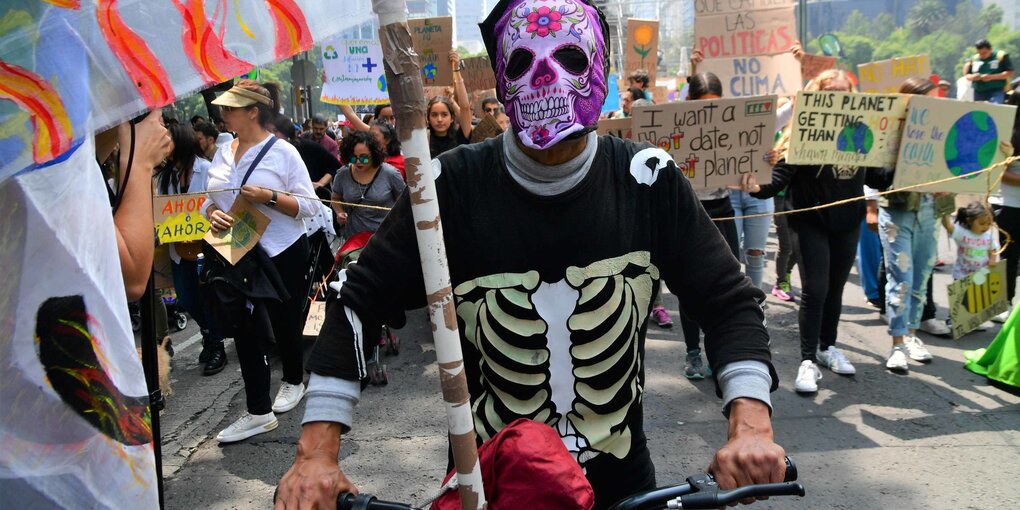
(990, 71)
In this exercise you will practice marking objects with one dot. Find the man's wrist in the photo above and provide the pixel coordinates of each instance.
(749, 416)
(320, 438)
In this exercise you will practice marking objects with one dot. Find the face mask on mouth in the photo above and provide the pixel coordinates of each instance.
(550, 61)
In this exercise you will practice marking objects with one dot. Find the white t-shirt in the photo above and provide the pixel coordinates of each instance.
(972, 250)
(282, 169)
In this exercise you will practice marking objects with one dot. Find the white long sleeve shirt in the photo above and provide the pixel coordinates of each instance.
(281, 169)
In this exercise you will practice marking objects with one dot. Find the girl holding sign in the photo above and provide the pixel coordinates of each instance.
(828, 240)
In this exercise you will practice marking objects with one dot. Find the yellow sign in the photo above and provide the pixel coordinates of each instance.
(179, 217)
(977, 298)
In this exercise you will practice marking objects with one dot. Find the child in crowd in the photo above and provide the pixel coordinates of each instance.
(977, 243)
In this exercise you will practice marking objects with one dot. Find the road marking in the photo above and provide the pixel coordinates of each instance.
(189, 342)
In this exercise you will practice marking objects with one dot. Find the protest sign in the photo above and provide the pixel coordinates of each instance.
(840, 128)
(433, 40)
(316, 317)
(886, 76)
(746, 32)
(243, 235)
(715, 7)
(713, 142)
(642, 51)
(478, 74)
(813, 65)
(943, 138)
(179, 218)
(977, 298)
(756, 76)
(612, 103)
(354, 72)
(619, 128)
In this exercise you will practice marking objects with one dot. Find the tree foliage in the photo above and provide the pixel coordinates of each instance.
(930, 30)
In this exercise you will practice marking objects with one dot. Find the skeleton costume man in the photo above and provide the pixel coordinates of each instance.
(554, 265)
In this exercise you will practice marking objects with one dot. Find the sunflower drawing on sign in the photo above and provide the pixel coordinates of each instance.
(643, 36)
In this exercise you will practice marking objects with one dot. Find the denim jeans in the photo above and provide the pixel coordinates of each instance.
(869, 254)
(185, 276)
(908, 239)
(992, 96)
(752, 232)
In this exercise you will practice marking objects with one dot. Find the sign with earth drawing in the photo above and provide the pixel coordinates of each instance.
(944, 138)
(840, 128)
(249, 225)
(354, 72)
(642, 51)
(433, 40)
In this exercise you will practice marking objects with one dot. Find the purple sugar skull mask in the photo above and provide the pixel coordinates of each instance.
(550, 68)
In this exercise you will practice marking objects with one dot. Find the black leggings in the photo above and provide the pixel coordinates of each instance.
(825, 262)
(279, 321)
(719, 208)
(1008, 220)
(789, 248)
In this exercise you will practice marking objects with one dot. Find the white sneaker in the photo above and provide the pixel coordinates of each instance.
(834, 360)
(288, 397)
(897, 359)
(985, 326)
(807, 377)
(1001, 317)
(935, 327)
(247, 426)
(915, 349)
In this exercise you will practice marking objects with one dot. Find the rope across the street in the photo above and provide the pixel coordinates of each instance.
(991, 186)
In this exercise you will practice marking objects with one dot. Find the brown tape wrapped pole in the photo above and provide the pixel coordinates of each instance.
(407, 97)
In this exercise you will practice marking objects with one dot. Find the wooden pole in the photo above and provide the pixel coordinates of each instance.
(407, 98)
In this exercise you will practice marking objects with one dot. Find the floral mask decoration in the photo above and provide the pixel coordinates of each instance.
(550, 59)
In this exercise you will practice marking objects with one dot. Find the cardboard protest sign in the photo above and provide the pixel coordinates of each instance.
(813, 65)
(179, 218)
(433, 40)
(642, 51)
(943, 138)
(716, 7)
(249, 225)
(478, 74)
(354, 72)
(886, 76)
(316, 317)
(977, 298)
(746, 32)
(714, 142)
(840, 128)
(619, 128)
(756, 76)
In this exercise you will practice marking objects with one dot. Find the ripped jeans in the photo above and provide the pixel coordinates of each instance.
(909, 243)
(752, 232)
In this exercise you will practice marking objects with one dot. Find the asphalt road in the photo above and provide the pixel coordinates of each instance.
(938, 438)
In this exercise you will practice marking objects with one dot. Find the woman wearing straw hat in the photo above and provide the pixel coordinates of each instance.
(258, 166)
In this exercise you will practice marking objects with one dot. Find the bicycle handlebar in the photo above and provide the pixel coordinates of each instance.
(700, 492)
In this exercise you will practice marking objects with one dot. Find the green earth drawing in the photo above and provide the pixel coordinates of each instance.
(856, 137)
(381, 83)
(971, 143)
(243, 230)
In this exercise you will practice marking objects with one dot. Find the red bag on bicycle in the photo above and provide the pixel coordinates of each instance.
(523, 452)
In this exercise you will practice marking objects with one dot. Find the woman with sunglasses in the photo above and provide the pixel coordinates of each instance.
(367, 180)
(261, 165)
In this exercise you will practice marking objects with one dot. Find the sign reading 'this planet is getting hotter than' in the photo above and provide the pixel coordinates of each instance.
(944, 138)
(840, 128)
